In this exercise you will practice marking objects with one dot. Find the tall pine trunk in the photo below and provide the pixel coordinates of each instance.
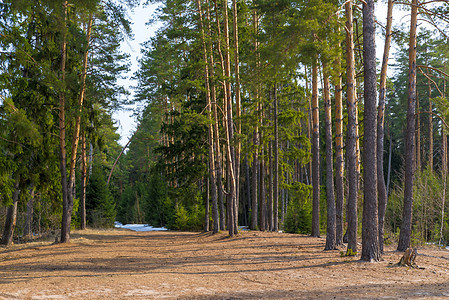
(220, 160)
(229, 126)
(276, 164)
(418, 135)
(370, 232)
(66, 198)
(351, 146)
(212, 179)
(238, 111)
(381, 189)
(331, 241)
(262, 191)
(339, 161)
(315, 154)
(430, 127)
(255, 165)
(406, 225)
(83, 182)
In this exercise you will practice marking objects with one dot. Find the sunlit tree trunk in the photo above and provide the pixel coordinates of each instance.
(430, 128)
(370, 231)
(339, 161)
(217, 140)
(83, 182)
(262, 191)
(229, 126)
(406, 226)
(315, 154)
(418, 135)
(381, 189)
(276, 165)
(238, 111)
(66, 199)
(212, 179)
(351, 145)
(270, 187)
(331, 242)
(255, 165)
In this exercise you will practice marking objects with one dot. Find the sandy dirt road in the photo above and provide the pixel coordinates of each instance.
(122, 264)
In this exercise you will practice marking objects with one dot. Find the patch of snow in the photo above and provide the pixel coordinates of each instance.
(138, 227)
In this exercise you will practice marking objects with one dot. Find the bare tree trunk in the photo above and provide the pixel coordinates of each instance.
(262, 200)
(406, 226)
(381, 189)
(444, 175)
(430, 128)
(212, 179)
(217, 140)
(215, 135)
(339, 161)
(351, 146)
(370, 230)
(229, 126)
(315, 154)
(331, 242)
(83, 182)
(11, 217)
(418, 135)
(66, 198)
(255, 166)
(276, 164)
(238, 110)
(270, 187)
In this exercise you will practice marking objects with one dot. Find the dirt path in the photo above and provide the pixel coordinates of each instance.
(121, 264)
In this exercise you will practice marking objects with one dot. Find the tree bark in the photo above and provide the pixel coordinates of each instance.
(276, 165)
(83, 182)
(262, 200)
(220, 158)
(331, 242)
(430, 128)
(370, 231)
(351, 146)
(238, 110)
(66, 199)
(254, 183)
(339, 161)
(255, 166)
(11, 217)
(418, 135)
(381, 189)
(315, 154)
(214, 134)
(212, 179)
(270, 186)
(406, 225)
(229, 125)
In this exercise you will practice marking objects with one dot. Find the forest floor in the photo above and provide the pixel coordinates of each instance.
(122, 264)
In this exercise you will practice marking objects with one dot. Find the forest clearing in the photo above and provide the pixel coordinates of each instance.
(122, 264)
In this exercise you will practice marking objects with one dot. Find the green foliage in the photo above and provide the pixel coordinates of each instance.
(426, 223)
(299, 211)
(100, 205)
